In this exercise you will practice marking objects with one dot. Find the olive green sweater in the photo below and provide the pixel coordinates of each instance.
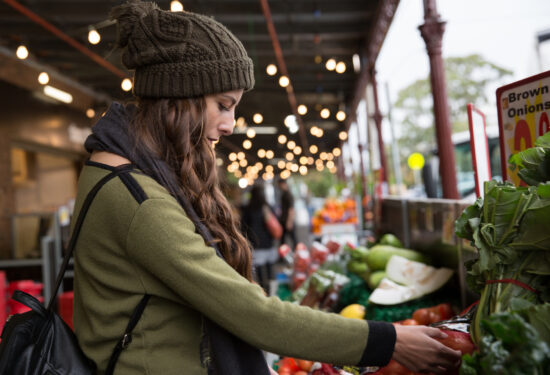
(136, 240)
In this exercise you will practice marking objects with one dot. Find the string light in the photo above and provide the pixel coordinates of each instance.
(247, 144)
(284, 81)
(240, 155)
(340, 115)
(258, 118)
(336, 151)
(269, 154)
(126, 84)
(343, 135)
(251, 133)
(271, 69)
(282, 139)
(303, 170)
(289, 156)
(341, 67)
(93, 36)
(313, 149)
(281, 164)
(90, 113)
(22, 52)
(325, 113)
(331, 64)
(261, 153)
(176, 6)
(232, 156)
(302, 109)
(43, 78)
(297, 150)
(291, 145)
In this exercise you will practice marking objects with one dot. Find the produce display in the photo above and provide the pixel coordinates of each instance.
(510, 229)
(338, 278)
(334, 211)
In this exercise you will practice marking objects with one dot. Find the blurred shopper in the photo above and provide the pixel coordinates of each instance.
(166, 230)
(264, 254)
(287, 213)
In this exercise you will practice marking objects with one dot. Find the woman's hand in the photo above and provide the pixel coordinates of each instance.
(271, 371)
(417, 349)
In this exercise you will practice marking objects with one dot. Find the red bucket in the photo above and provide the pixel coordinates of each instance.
(66, 307)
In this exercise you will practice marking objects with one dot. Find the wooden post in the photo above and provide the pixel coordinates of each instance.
(7, 199)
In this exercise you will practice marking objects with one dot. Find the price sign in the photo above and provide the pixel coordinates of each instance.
(480, 148)
(523, 115)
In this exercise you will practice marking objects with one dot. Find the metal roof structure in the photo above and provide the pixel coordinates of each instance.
(309, 32)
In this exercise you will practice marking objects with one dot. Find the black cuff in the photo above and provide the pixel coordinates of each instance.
(380, 344)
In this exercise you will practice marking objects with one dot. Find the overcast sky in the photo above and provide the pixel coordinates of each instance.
(502, 31)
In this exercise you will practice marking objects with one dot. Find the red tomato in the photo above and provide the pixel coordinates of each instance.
(290, 363)
(393, 368)
(305, 365)
(422, 316)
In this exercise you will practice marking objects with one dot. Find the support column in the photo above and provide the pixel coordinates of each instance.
(377, 117)
(7, 199)
(432, 32)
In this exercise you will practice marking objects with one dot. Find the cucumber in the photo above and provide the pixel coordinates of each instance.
(379, 256)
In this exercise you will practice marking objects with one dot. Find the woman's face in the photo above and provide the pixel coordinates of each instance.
(220, 114)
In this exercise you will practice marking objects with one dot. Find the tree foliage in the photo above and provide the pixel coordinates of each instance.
(467, 80)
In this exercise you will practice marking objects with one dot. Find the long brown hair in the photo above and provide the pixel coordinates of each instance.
(172, 130)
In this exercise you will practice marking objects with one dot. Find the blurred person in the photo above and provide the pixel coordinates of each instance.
(162, 232)
(264, 254)
(287, 213)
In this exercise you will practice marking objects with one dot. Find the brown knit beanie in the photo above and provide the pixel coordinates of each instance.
(179, 54)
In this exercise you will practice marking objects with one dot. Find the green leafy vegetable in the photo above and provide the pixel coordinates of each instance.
(534, 163)
(511, 346)
(511, 230)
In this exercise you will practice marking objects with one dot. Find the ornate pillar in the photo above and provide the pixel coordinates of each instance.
(432, 32)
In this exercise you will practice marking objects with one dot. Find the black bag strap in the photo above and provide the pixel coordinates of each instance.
(29, 301)
(127, 337)
(138, 311)
(125, 168)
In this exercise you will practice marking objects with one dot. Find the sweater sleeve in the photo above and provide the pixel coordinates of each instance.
(162, 239)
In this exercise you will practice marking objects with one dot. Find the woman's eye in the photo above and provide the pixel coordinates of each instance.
(222, 107)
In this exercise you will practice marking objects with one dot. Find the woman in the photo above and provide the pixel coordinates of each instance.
(166, 230)
(264, 254)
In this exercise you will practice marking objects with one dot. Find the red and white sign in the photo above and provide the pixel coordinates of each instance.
(480, 148)
(523, 115)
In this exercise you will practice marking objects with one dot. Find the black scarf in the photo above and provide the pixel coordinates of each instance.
(229, 354)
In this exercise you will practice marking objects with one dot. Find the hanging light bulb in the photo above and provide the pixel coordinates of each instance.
(271, 69)
(282, 139)
(261, 153)
(232, 156)
(331, 64)
(176, 6)
(258, 118)
(126, 84)
(90, 113)
(93, 36)
(302, 109)
(313, 149)
(269, 154)
(343, 135)
(340, 67)
(336, 151)
(22, 52)
(247, 144)
(325, 113)
(284, 81)
(340, 115)
(291, 145)
(43, 78)
(297, 150)
(251, 133)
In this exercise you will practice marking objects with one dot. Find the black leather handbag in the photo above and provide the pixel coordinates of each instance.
(39, 342)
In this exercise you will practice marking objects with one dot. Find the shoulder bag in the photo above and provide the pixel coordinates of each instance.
(39, 342)
(274, 228)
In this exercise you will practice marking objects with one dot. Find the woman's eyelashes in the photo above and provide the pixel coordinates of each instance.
(222, 107)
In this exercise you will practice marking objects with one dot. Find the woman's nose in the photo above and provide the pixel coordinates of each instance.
(226, 127)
